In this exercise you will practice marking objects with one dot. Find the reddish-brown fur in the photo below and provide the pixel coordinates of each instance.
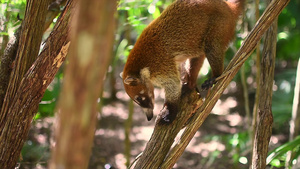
(187, 29)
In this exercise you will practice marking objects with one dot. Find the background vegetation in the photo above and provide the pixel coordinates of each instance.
(223, 140)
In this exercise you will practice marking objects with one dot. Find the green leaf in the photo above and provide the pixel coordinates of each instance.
(283, 149)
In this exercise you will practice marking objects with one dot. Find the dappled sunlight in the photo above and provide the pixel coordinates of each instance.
(142, 133)
(234, 120)
(205, 148)
(120, 161)
(115, 109)
(42, 139)
(232, 88)
(122, 95)
(223, 107)
(119, 133)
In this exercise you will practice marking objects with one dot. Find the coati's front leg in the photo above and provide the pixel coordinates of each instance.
(172, 88)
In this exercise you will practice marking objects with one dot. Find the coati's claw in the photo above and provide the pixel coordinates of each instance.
(208, 83)
(165, 114)
(168, 113)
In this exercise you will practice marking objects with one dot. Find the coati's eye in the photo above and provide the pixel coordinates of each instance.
(139, 98)
(143, 101)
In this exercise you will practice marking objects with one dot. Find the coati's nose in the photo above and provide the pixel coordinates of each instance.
(149, 113)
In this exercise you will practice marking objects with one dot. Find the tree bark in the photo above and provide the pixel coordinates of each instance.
(155, 153)
(16, 117)
(164, 134)
(6, 63)
(92, 39)
(10, 52)
(265, 117)
(29, 45)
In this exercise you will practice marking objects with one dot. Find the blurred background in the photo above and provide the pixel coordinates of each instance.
(223, 141)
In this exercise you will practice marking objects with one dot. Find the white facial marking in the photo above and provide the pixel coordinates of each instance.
(143, 98)
(142, 91)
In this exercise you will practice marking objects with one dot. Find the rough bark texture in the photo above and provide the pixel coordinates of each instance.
(163, 135)
(29, 45)
(92, 39)
(17, 117)
(265, 117)
(6, 63)
(156, 153)
(10, 52)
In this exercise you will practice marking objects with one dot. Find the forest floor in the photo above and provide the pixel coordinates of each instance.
(222, 141)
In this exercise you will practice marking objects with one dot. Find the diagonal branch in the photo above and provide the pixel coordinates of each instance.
(155, 153)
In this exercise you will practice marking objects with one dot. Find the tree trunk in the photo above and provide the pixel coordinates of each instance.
(6, 63)
(156, 153)
(92, 39)
(10, 52)
(265, 118)
(17, 115)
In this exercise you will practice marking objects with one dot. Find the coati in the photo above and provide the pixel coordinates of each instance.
(186, 31)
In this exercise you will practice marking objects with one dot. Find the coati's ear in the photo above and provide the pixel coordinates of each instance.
(121, 75)
(132, 81)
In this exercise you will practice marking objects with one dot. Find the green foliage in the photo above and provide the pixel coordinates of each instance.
(236, 148)
(33, 154)
(289, 32)
(277, 157)
(9, 10)
(283, 98)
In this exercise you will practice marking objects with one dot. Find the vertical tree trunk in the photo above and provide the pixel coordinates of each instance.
(10, 52)
(257, 64)
(31, 89)
(92, 39)
(265, 118)
(11, 135)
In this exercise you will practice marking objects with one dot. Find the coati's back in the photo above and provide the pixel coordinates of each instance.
(185, 29)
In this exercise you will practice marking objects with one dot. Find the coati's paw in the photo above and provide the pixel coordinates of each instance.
(208, 83)
(167, 114)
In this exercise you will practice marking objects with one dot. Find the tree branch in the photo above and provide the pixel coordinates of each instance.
(24, 104)
(10, 52)
(155, 153)
(263, 130)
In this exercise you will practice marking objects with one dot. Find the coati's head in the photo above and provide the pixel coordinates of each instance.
(140, 90)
